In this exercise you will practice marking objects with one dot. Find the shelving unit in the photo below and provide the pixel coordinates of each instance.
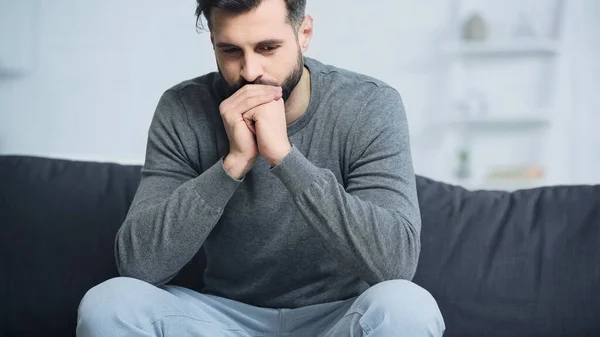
(516, 48)
(473, 117)
(503, 185)
(500, 123)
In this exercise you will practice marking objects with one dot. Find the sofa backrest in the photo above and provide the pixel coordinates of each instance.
(499, 264)
(525, 263)
(58, 224)
(58, 220)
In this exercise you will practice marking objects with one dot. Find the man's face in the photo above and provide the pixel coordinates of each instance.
(258, 47)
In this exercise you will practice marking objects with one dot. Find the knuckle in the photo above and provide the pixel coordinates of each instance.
(223, 106)
(254, 101)
(247, 104)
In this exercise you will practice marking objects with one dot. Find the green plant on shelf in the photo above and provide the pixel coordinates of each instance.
(463, 171)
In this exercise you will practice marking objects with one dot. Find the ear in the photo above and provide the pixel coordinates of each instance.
(305, 33)
(212, 40)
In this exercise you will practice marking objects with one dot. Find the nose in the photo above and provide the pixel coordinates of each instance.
(251, 69)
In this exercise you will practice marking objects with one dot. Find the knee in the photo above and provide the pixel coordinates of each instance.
(109, 301)
(113, 294)
(401, 303)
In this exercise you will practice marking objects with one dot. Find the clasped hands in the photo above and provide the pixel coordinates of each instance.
(255, 123)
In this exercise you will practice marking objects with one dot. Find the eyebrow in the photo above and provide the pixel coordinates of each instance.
(264, 42)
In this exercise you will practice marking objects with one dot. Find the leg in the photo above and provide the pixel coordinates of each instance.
(129, 307)
(392, 308)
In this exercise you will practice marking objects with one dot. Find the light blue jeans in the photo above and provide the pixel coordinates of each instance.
(129, 307)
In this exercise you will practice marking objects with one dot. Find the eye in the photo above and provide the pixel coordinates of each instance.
(230, 50)
(268, 48)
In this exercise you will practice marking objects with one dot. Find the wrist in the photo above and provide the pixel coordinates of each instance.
(279, 155)
(236, 166)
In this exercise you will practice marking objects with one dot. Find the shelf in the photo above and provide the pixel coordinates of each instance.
(507, 184)
(509, 178)
(503, 185)
(519, 47)
(500, 123)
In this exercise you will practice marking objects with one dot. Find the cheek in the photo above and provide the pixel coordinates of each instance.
(284, 63)
(229, 68)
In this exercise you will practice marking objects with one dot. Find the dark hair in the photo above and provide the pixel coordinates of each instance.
(296, 9)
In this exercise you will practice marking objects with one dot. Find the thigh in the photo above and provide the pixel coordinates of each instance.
(395, 307)
(347, 325)
(129, 307)
(231, 315)
(319, 320)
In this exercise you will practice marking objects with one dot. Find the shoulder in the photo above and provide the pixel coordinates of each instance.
(196, 99)
(199, 89)
(352, 93)
(344, 79)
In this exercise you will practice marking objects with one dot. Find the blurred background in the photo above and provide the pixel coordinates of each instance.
(499, 94)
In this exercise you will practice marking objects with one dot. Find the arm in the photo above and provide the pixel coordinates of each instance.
(175, 207)
(373, 224)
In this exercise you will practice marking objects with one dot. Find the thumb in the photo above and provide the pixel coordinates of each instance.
(249, 121)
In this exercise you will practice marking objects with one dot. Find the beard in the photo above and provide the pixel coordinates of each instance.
(288, 85)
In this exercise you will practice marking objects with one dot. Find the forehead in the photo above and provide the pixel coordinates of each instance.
(268, 20)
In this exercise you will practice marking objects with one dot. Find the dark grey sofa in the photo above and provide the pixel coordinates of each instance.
(525, 263)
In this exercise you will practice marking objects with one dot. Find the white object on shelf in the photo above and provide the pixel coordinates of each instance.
(509, 186)
(516, 47)
(500, 184)
(500, 122)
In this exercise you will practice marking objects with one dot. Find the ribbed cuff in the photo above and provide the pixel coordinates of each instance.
(296, 172)
(215, 186)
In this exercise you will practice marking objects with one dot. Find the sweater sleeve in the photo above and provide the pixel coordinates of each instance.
(175, 206)
(372, 223)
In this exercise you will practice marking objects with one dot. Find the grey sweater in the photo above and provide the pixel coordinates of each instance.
(337, 215)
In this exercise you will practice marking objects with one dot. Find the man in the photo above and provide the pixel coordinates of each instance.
(296, 180)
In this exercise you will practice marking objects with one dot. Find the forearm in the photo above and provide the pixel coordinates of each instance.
(379, 242)
(161, 234)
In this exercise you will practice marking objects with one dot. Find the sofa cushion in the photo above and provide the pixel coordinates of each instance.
(59, 221)
(525, 263)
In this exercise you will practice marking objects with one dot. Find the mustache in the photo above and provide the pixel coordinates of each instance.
(240, 84)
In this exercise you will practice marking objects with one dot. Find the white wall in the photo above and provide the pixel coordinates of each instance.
(99, 70)
(585, 48)
(99, 67)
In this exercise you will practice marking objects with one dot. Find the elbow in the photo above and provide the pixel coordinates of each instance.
(409, 249)
(128, 266)
(412, 261)
(406, 268)
(413, 249)
(129, 263)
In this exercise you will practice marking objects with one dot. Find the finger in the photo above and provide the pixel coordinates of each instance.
(253, 90)
(251, 98)
(251, 103)
(248, 118)
(250, 125)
